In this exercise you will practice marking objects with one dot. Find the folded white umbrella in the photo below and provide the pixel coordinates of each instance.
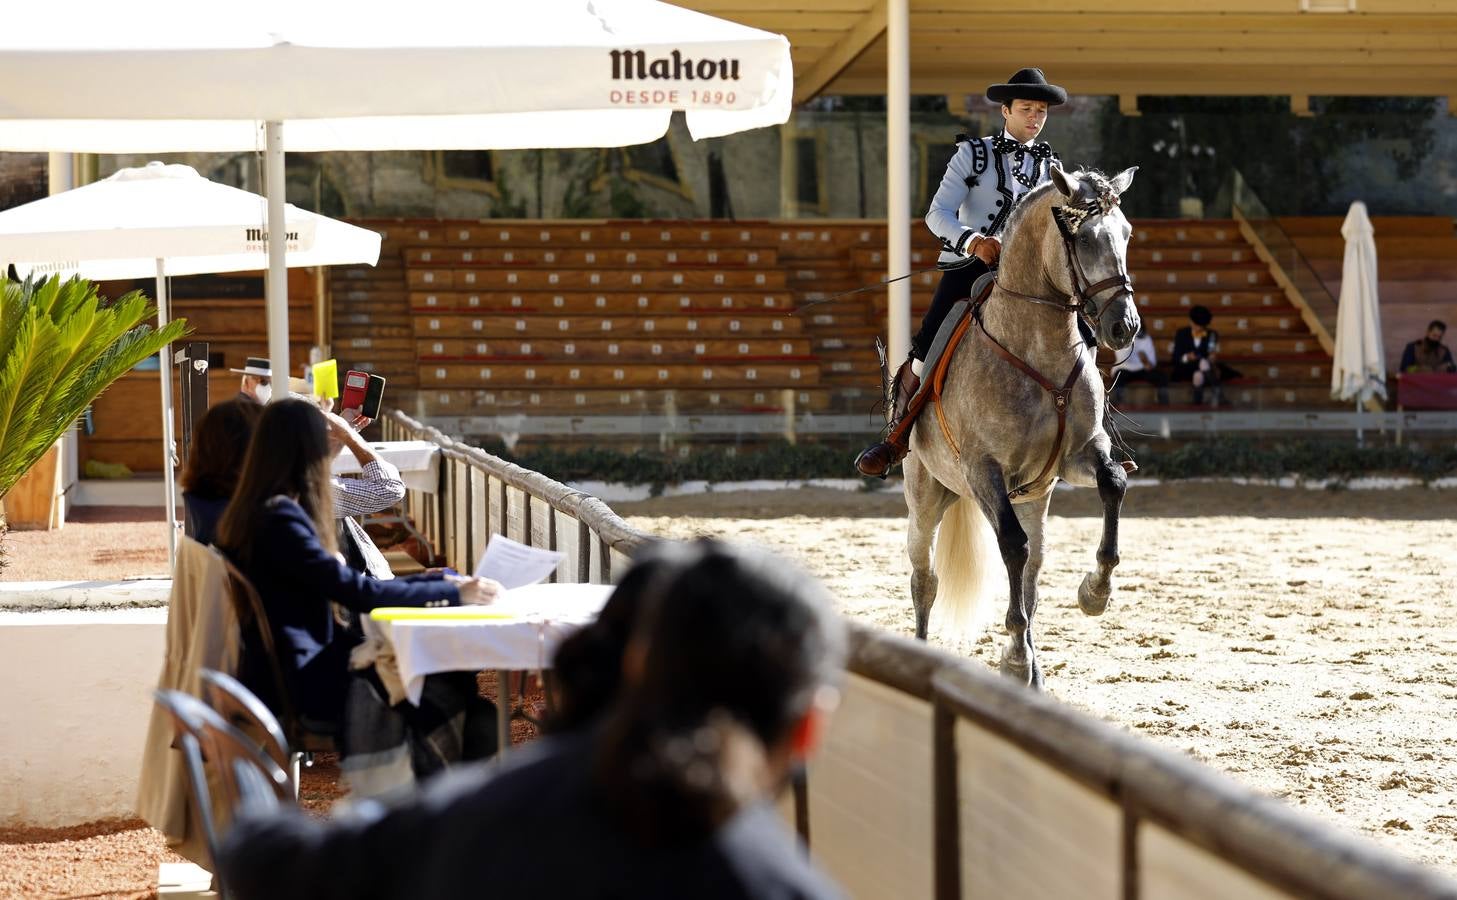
(160, 220)
(1358, 370)
(176, 75)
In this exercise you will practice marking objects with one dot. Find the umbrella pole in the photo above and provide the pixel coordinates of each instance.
(277, 283)
(169, 449)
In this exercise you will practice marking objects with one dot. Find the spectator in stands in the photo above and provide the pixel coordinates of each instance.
(257, 383)
(213, 462)
(1429, 354)
(1196, 354)
(727, 680)
(1141, 364)
(279, 531)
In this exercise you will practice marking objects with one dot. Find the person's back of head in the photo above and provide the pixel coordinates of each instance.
(289, 455)
(215, 459)
(587, 667)
(728, 676)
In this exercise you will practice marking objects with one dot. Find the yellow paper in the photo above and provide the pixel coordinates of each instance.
(413, 613)
(326, 378)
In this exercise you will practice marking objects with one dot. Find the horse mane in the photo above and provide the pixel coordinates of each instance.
(1029, 199)
(1094, 190)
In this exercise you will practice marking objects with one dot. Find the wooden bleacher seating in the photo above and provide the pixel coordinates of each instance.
(642, 317)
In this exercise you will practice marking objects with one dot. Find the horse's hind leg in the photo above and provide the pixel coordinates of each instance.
(927, 500)
(1097, 587)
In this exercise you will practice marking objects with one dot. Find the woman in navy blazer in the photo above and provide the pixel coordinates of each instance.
(279, 531)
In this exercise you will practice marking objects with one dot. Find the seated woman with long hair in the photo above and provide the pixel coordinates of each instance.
(279, 531)
(213, 463)
(726, 682)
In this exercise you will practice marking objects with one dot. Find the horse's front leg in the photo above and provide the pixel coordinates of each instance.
(989, 487)
(1097, 587)
(1033, 518)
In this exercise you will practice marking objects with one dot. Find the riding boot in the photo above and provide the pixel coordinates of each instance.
(875, 461)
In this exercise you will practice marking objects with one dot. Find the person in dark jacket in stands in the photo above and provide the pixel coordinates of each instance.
(727, 682)
(1196, 356)
(1429, 354)
(214, 461)
(279, 531)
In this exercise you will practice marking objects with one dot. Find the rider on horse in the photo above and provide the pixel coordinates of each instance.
(983, 182)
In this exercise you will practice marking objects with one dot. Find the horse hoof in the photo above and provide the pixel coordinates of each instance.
(1091, 602)
(1018, 672)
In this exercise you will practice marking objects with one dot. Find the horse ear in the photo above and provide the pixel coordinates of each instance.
(1061, 181)
(1123, 179)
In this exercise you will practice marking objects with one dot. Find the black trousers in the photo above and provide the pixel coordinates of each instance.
(955, 285)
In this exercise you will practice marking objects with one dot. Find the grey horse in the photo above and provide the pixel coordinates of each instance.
(984, 465)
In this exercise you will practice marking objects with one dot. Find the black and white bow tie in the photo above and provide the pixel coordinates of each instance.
(1019, 152)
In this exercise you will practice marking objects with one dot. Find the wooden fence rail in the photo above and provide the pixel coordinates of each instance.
(939, 778)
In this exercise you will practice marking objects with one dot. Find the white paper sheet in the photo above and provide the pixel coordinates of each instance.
(514, 564)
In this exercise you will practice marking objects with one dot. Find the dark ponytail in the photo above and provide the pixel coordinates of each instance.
(735, 646)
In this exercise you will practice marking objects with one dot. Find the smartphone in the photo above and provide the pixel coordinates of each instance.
(356, 387)
(373, 395)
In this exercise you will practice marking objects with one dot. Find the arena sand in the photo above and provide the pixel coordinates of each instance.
(1301, 641)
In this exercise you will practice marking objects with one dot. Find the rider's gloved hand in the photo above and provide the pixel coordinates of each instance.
(986, 249)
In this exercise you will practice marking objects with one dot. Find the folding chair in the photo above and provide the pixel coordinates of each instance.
(242, 708)
(187, 725)
(250, 780)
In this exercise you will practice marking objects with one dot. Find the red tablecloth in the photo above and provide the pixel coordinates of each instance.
(1426, 390)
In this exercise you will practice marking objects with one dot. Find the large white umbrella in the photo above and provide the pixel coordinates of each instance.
(157, 221)
(1358, 371)
(164, 75)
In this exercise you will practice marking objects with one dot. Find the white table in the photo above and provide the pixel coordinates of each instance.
(419, 465)
(418, 462)
(528, 625)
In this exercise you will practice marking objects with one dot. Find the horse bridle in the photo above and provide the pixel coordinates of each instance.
(1069, 219)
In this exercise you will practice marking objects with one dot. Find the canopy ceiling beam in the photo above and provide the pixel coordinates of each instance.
(839, 57)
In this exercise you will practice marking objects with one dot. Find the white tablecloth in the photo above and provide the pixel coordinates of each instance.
(542, 615)
(418, 462)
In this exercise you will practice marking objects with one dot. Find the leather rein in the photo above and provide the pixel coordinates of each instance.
(1080, 302)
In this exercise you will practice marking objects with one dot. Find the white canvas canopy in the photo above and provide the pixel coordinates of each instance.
(164, 75)
(161, 220)
(1358, 371)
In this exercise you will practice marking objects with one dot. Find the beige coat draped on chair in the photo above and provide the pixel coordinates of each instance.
(202, 632)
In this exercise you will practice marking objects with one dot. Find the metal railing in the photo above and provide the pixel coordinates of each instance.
(1289, 266)
(940, 777)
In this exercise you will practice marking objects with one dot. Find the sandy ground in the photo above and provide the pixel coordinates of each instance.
(1301, 641)
(98, 542)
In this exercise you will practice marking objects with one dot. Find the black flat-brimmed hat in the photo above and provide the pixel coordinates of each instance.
(1027, 84)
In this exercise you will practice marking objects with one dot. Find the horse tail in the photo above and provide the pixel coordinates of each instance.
(969, 570)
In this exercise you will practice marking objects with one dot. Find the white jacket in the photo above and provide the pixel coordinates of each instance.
(982, 184)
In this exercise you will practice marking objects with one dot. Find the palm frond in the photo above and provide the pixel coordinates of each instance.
(62, 346)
